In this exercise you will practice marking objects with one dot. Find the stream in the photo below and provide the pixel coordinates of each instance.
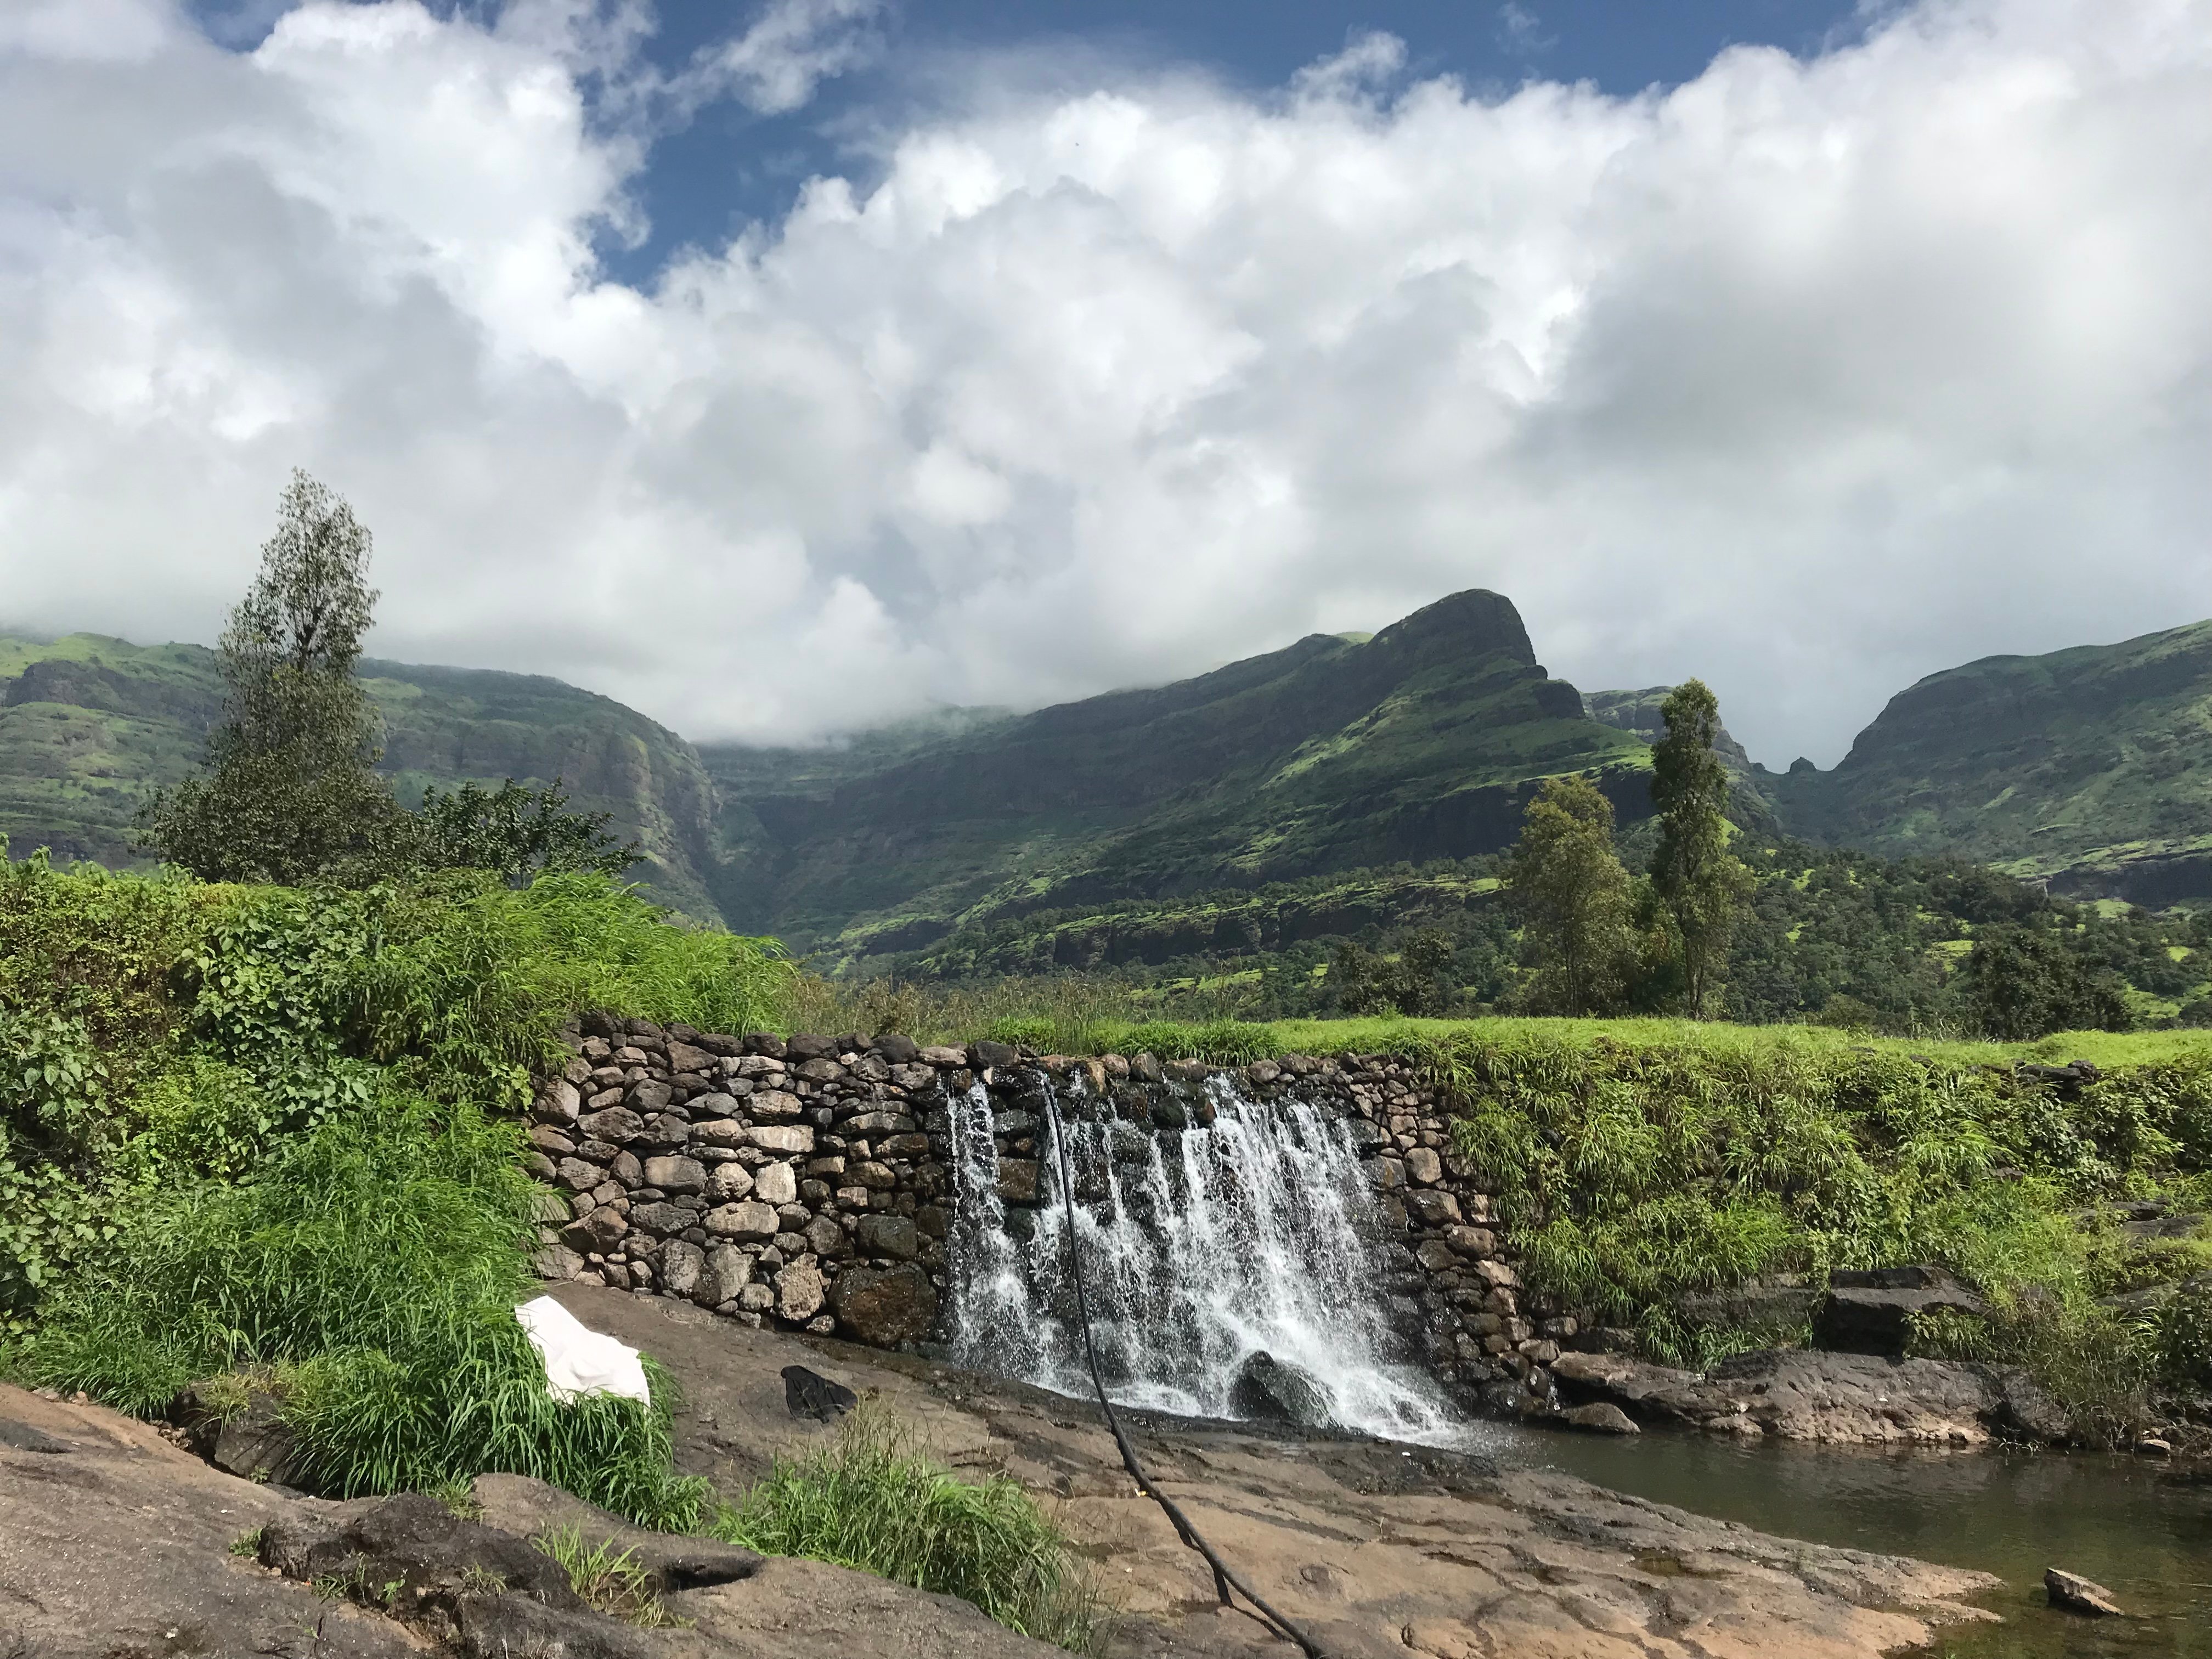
(2140, 1530)
(1201, 1248)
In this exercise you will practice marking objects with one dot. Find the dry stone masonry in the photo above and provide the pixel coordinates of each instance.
(805, 1183)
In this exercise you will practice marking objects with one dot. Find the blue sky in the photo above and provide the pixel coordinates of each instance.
(727, 165)
(1106, 346)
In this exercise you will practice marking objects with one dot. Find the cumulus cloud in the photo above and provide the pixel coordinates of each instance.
(1807, 376)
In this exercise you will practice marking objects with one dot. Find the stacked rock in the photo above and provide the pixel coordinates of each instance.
(1486, 1332)
(777, 1181)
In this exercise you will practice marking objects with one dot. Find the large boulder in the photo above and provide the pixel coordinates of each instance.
(1870, 1310)
(885, 1306)
(1269, 1391)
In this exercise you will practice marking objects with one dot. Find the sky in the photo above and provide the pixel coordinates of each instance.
(785, 369)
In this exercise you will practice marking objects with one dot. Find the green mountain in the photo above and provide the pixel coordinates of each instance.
(89, 726)
(2091, 767)
(1333, 754)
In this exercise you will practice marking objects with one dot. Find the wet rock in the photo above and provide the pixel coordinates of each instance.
(885, 1306)
(1269, 1391)
(2076, 1594)
(1017, 1180)
(987, 1056)
(1600, 1418)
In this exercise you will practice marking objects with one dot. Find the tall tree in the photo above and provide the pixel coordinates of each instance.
(1573, 898)
(1699, 883)
(291, 792)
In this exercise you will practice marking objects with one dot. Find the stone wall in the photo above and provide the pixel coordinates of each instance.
(805, 1182)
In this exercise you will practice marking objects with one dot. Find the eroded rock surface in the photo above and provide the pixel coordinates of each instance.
(1813, 1395)
(1378, 1549)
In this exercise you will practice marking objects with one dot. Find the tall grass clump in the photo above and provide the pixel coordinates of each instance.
(371, 1269)
(866, 1500)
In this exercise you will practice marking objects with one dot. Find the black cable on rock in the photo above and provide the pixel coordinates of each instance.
(1224, 1579)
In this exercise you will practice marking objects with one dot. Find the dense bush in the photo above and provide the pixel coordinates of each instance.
(250, 1127)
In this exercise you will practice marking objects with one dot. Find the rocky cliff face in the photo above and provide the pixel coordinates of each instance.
(2091, 767)
(1422, 742)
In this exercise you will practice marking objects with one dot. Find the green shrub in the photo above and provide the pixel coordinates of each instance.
(865, 1500)
(373, 1265)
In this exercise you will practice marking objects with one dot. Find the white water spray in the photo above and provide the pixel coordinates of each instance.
(1199, 1249)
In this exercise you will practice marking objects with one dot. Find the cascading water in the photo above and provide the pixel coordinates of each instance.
(1199, 1249)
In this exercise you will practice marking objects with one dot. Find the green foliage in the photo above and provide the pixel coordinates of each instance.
(291, 794)
(515, 832)
(1698, 882)
(372, 1264)
(1634, 1173)
(1572, 897)
(865, 1500)
(2023, 983)
(1414, 982)
(609, 1579)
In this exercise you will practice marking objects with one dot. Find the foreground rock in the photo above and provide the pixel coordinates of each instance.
(111, 1538)
(1811, 1395)
(1377, 1549)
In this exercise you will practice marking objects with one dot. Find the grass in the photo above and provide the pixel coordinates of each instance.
(867, 1500)
(608, 1580)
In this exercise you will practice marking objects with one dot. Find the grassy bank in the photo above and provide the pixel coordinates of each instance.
(261, 1140)
(258, 1134)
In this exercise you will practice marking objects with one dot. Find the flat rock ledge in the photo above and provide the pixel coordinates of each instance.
(1812, 1394)
(111, 1538)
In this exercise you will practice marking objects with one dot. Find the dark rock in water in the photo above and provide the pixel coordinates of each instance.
(1869, 1311)
(885, 1306)
(810, 1393)
(1268, 1390)
(2076, 1594)
(1168, 1113)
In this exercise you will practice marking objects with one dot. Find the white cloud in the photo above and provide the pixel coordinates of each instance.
(1810, 377)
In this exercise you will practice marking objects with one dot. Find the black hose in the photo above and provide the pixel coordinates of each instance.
(1224, 1579)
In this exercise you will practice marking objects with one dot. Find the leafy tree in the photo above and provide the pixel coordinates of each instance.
(1700, 884)
(1414, 984)
(1573, 896)
(516, 832)
(291, 793)
(2022, 982)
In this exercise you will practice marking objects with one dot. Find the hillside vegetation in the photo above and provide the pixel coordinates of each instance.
(89, 726)
(2091, 766)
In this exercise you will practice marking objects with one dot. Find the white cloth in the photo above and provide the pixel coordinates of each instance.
(579, 1360)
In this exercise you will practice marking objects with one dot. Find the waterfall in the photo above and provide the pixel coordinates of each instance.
(1258, 1231)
